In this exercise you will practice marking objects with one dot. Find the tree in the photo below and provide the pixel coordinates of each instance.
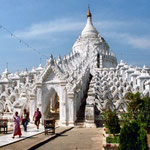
(138, 109)
(135, 103)
(144, 115)
(132, 137)
(111, 121)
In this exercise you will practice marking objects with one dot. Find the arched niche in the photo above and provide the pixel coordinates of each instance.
(51, 103)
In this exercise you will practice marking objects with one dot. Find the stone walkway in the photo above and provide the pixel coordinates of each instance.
(66, 138)
(31, 142)
(76, 139)
(7, 139)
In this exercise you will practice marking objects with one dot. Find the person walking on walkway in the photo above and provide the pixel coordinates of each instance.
(37, 116)
(16, 129)
(25, 119)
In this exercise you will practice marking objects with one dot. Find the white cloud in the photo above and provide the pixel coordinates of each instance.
(40, 29)
(140, 42)
(62, 25)
(112, 24)
(67, 24)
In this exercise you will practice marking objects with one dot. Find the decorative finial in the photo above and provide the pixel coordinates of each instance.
(88, 6)
(89, 13)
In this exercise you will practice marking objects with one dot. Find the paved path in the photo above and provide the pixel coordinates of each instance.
(66, 138)
(76, 139)
(7, 139)
(34, 141)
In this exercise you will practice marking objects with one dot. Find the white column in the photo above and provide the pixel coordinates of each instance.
(89, 116)
(39, 99)
(32, 109)
(63, 107)
(101, 61)
(133, 78)
(147, 86)
(89, 112)
(71, 109)
(140, 84)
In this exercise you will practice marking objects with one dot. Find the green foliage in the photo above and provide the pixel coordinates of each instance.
(132, 137)
(144, 115)
(111, 121)
(135, 103)
(138, 109)
(125, 118)
(134, 123)
(142, 139)
(112, 139)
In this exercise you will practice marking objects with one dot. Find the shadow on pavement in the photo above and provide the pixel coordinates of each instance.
(57, 134)
(51, 138)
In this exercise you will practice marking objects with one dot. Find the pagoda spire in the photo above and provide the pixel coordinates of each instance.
(89, 28)
(89, 12)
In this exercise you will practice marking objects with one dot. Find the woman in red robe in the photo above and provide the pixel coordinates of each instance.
(16, 130)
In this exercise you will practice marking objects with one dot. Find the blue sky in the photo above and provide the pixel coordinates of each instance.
(52, 27)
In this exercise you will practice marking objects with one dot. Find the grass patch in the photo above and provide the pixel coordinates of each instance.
(112, 139)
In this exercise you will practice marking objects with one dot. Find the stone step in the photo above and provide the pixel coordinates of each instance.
(80, 125)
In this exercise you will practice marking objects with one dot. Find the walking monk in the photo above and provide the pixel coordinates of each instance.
(36, 117)
(16, 130)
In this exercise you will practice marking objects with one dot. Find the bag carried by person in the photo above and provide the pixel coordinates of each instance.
(28, 119)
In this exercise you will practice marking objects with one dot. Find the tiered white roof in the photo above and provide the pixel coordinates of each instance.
(89, 28)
